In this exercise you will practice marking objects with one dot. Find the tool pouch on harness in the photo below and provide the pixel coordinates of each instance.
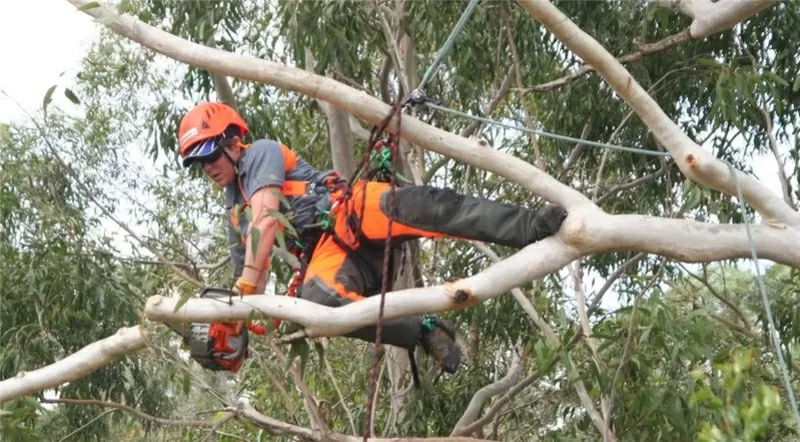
(219, 346)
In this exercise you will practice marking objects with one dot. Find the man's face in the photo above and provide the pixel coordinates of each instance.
(220, 170)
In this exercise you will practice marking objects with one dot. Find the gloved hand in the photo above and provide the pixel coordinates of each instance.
(244, 288)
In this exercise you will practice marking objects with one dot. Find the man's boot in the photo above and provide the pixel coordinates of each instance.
(439, 341)
(462, 216)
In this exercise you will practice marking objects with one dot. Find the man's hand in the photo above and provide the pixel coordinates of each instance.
(244, 288)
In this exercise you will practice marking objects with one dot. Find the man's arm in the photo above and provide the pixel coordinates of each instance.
(258, 246)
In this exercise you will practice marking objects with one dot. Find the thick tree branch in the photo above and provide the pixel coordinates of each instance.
(583, 233)
(347, 98)
(682, 240)
(75, 366)
(710, 17)
(697, 163)
(341, 138)
(221, 83)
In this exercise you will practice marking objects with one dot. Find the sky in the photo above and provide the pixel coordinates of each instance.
(35, 60)
(63, 34)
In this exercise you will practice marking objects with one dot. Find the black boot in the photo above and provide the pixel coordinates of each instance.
(463, 216)
(439, 341)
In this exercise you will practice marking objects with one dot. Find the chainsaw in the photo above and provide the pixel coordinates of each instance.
(219, 346)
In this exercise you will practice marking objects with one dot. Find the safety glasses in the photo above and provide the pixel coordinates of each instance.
(206, 151)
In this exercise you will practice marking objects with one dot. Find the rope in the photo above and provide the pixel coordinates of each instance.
(396, 109)
(546, 134)
(447, 44)
(776, 339)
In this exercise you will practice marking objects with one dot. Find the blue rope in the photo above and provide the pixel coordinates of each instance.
(547, 134)
(447, 44)
(776, 339)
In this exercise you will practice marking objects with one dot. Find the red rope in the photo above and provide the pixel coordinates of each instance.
(397, 108)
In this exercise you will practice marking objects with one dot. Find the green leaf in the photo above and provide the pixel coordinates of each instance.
(282, 219)
(256, 237)
(775, 77)
(280, 238)
(182, 301)
(187, 382)
(88, 6)
(299, 348)
(796, 86)
(281, 197)
(48, 96)
(71, 95)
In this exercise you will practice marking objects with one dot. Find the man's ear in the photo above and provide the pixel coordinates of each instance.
(235, 149)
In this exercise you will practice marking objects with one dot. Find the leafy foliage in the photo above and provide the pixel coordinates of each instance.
(87, 200)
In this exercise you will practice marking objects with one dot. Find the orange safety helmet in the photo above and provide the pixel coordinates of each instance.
(206, 122)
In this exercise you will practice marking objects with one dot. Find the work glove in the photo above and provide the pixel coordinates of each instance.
(244, 288)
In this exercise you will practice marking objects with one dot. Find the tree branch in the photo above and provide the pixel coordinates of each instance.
(710, 17)
(716, 294)
(487, 392)
(501, 92)
(282, 428)
(311, 403)
(347, 98)
(137, 413)
(698, 164)
(75, 366)
(221, 83)
(719, 19)
(339, 124)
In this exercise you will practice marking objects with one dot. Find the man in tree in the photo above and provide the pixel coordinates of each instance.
(340, 231)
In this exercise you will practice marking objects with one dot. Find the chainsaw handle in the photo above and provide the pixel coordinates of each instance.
(239, 352)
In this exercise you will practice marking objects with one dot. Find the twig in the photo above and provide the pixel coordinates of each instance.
(537, 153)
(79, 429)
(583, 317)
(643, 50)
(217, 425)
(626, 354)
(501, 92)
(329, 371)
(630, 185)
(611, 280)
(717, 295)
(140, 414)
(487, 392)
(311, 403)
